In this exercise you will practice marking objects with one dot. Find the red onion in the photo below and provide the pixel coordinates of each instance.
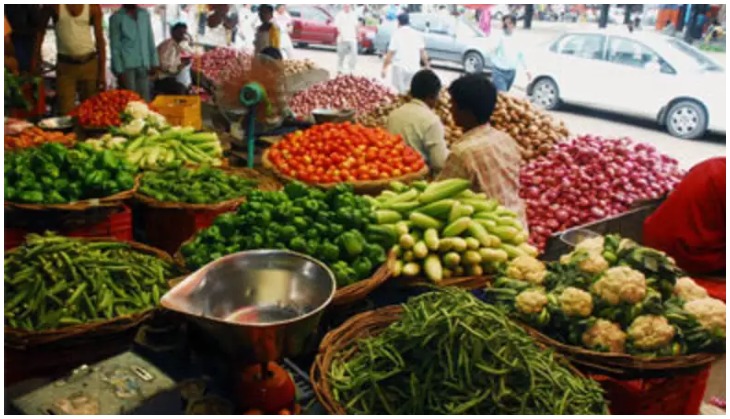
(591, 178)
(344, 92)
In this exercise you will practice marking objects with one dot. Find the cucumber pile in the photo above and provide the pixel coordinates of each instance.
(443, 230)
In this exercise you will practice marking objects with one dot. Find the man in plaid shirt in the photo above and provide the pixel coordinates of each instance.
(489, 158)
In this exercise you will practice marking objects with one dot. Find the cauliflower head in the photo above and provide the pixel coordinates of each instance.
(605, 335)
(531, 301)
(592, 245)
(595, 263)
(621, 284)
(709, 312)
(688, 290)
(527, 268)
(651, 332)
(575, 302)
(137, 110)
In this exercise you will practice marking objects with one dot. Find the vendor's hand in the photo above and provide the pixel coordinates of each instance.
(102, 84)
(153, 71)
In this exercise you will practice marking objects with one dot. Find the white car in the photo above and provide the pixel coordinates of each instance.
(643, 74)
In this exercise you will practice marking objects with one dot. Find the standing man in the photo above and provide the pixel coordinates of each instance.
(506, 57)
(81, 50)
(418, 124)
(489, 158)
(406, 51)
(175, 58)
(267, 34)
(346, 23)
(283, 20)
(134, 56)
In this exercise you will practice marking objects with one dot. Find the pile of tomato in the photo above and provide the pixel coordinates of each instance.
(105, 109)
(344, 152)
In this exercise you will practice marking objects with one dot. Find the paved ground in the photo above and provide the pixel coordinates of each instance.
(579, 120)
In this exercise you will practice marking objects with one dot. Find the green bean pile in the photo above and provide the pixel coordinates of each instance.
(453, 354)
(54, 281)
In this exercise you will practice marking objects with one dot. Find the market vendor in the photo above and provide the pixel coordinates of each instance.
(81, 50)
(267, 34)
(690, 225)
(134, 56)
(489, 158)
(418, 124)
(175, 59)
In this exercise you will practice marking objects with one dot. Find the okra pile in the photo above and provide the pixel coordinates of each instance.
(53, 281)
(452, 354)
(443, 229)
(205, 185)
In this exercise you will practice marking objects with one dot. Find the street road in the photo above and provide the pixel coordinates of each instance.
(578, 120)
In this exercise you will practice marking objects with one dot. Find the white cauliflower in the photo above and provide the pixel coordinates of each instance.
(595, 263)
(531, 301)
(709, 312)
(687, 289)
(651, 332)
(156, 120)
(133, 128)
(621, 284)
(605, 334)
(592, 245)
(137, 110)
(527, 268)
(575, 302)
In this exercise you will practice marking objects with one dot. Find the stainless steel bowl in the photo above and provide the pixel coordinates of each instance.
(261, 304)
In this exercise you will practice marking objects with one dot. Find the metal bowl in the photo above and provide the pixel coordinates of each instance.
(575, 236)
(261, 304)
(322, 116)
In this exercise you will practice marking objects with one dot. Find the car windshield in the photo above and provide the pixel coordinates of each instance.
(470, 28)
(699, 58)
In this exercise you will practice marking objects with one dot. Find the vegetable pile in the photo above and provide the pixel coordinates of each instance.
(105, 109)
(379, 116)
(590, 178)
(445, 230)
(330, 226)
(218, 60)
(535, 132)
(292, 67)
(53, 174)
(203, 185)
(15, 96)
(53, 281)
(612, 295)
(139, 119)
(361, 94)
(173, 146)
(34, 136)
(346, 152)
(451, 354)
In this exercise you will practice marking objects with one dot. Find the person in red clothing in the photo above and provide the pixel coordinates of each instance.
(690, 225)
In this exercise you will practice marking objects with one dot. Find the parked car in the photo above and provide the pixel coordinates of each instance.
(316, 25)
(644, 74)
(447, 38)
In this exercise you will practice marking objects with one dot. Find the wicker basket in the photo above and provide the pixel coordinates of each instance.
(107, 201)
(623, 366)
(342, 343)
(83, 333)
(365, 187)
(470, 283)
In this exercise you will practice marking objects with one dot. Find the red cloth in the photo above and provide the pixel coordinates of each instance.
(715, 288)
(690, 225)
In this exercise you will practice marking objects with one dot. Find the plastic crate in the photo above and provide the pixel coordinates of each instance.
(168, 228)
(180, 110)
(116, 225)
(678, 395)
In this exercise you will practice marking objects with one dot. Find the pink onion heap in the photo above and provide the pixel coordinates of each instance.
(344, 92)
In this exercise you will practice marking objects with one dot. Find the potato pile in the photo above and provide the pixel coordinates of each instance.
(292, 67)
(379, 117)
(534, 131)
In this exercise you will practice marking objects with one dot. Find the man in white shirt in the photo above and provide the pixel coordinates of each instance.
(418, 124)
(175, 60)
(406, 51)
(346, 24)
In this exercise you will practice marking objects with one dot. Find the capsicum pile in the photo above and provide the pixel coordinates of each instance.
(332, 226)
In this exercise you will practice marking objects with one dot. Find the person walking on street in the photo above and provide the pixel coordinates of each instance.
(407, 51)
(134, 56)
(283, 20)
(507, 57)
(81, 50)
(267, 34)
(346, 23)
(488, 158)
(418, 124)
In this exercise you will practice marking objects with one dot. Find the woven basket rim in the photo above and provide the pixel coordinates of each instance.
(266, 183)
(107, 201)
(466, 282)
(357, 185)
(341, 339)
(23, 339)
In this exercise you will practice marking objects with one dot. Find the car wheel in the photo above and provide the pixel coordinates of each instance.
(302, 45)
(545, 94)
(473, 62)
(686, 119)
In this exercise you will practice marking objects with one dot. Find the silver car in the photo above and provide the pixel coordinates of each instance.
(447, 38)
